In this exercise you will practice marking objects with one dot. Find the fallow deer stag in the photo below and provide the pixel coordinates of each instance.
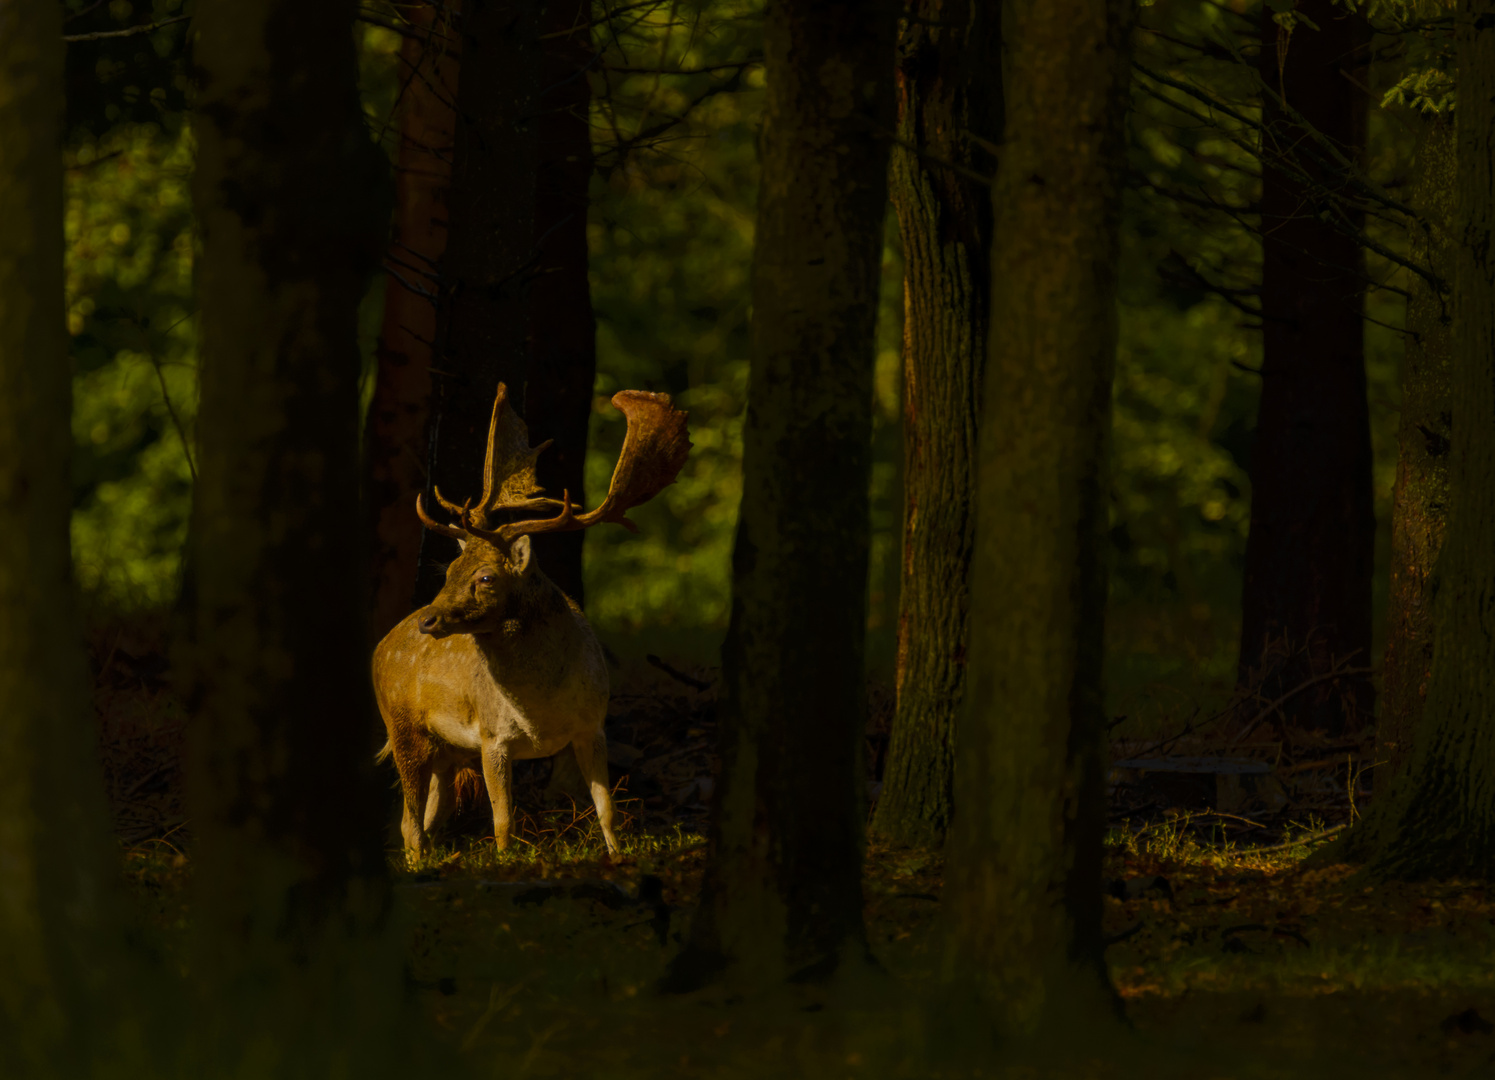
(502, 666)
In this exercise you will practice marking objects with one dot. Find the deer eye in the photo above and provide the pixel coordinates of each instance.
(486, 579)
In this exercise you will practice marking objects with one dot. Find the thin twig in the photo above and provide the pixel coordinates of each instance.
(132, 31)
(1313, 839)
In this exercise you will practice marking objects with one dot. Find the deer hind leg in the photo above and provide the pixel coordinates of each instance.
(498, 775)
(442, 796)
(414, 757)
(591, 757)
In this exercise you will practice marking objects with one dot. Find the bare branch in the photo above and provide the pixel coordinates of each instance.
(102, 35)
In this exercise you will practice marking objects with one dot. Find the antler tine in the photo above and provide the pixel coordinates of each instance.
(654, 452)
(436, 526)
(445, 503)
(509, 464)
(502, 537)
(490, 463)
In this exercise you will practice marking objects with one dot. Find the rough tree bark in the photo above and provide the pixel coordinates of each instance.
(290, 888)
(396, 439)
(783, 892)
(1438, 819)
(1310, 552)
(482, 312)
(1022, 902)
(1420, 503)
(563, 330)
(949, 82)
(55, 872)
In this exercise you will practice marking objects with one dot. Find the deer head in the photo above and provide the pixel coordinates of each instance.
(485, 580)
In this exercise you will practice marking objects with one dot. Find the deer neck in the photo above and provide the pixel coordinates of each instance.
(534, 618)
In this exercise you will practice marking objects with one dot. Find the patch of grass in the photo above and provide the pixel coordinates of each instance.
(560, 843)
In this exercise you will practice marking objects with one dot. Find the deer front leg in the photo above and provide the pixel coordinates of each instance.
(498, 775)
(413, 758)
(591, 758)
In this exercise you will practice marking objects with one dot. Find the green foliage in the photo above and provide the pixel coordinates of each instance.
(130, 305)
(671, 239)
(132, 80)
(1186, 385)
(671, 233)
(1430, 90)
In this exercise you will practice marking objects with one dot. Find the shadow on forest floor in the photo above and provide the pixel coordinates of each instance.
(543, 964)
(1232, 961)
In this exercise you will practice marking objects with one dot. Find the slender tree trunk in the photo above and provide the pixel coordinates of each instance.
(563, 331)
(482, 314)
(783, 890)
(290, 883)
(1022, 904)
(949, 83)
(1420, 505)
(55, 874)
(1438, 820)
(396, 435)
(1310, 553)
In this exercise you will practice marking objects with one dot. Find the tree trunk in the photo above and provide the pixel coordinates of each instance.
(56, 880)
(563, 331)
(783, 890)
(290, 883)
(1310, 552)
(1438, 820)
(1420, 504)
(949, 83)
(482, 313)
(1022, 903)
(396, 437)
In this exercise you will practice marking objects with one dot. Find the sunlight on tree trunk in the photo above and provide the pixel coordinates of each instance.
(298, 975)
(57, 880)
(1420, 504)
(949, 84)
(396, 434)
(1022, 901)
(563, 330)
(783, 891)
(1438, 820)
(482, 316)
(1310, 551)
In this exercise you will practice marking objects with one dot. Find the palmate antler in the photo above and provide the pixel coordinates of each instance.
(654, 451)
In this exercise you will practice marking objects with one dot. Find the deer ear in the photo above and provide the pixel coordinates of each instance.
(519, 554)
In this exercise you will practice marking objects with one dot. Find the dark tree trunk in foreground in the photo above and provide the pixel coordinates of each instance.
(1438, 820)
(563, 331)
(1022, 902)
(1309, 556)
(290, 886)
(1420, 505)
(482, 316)
(949, 83)
(56, 875)
(396, 433)
(783, 890)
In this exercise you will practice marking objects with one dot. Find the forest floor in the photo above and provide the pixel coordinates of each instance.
(1231, 958)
